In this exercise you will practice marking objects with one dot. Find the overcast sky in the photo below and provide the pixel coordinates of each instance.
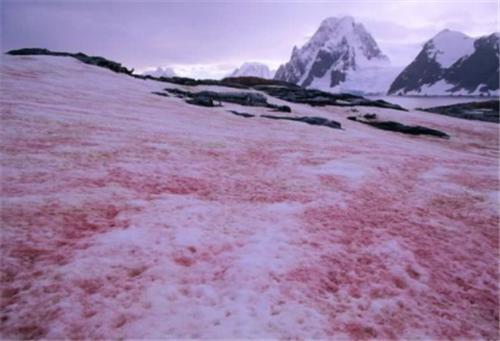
(211, 38)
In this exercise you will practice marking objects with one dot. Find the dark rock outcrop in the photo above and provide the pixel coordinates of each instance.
(178, 92)
(230, 82)
(289, 92)
(203, 101)
(92, 60)
(487, 111)
(313, 120)
(399, 127)
(194, 82)
(252, 99)
(322, 98)
(209, 98)
(160, 94)
(241, 114)
(250, 82)
(370, 116)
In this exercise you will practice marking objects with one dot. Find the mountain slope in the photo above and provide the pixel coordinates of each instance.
(452, 63)
(339, 51)
(253, 69)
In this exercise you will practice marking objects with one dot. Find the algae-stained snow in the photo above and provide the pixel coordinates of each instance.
(130, 215)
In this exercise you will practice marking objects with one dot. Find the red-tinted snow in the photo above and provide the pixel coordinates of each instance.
(129, 215)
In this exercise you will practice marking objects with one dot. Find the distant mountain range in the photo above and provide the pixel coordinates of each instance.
(342, 56)
(452, 63)
(253, 69)
(161, 72)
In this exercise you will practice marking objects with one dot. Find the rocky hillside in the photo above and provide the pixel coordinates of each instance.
(452, 63)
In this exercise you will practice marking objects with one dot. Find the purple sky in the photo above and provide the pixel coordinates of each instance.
(211, 38)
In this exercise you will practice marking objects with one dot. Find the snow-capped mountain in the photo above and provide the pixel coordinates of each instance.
(161, 72)
(340, 56)
(452, 63)
(252, 69)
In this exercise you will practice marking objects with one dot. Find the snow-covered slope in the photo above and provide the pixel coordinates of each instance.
(341, 56)
(447, 47)
(127, 215)
(252, 69)
(369, 80)
(161, 72)
(452, 63)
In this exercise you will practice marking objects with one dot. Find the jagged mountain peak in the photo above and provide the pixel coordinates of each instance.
(340, 46)
(333, 31)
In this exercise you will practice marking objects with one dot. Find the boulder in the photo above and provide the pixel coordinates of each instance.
(202, 101)
(312, 120)
(242, 114)
(399, 127)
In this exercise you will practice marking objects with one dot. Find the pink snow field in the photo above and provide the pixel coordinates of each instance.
(130, 215)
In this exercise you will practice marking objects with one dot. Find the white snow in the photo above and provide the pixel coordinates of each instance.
(253, 69)
(450, 46)
(443, 88)
(364, 81)
(160, 72)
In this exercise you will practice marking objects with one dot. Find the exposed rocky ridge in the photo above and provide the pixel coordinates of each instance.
(312, 120)
(481, 111)
(241, 114)
(291, 92)
(212, 98)
(371, 119)
(193, 82)
(92, 60)
(322, 98)
(250, 82)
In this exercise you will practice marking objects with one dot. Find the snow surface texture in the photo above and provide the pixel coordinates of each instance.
(161, 72)
(131, 215)
(253, 69)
